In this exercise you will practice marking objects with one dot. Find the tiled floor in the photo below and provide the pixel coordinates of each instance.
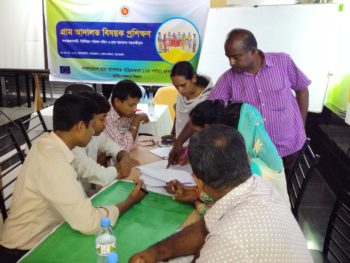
(315, 209)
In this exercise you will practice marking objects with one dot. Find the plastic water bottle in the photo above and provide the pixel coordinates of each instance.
(105, 240)
(151, 105)
(112, 257)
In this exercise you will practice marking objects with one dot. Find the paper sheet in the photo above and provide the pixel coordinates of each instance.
(155, 175)
(162, 164)
(162, 152)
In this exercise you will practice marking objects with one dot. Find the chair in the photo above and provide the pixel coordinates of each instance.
(33, 127)
(300, 175)
(336, 246)
(167, 96)
(11, 158)
(78, 88)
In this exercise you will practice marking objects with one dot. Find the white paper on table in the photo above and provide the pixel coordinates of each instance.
(152, 182)
(162, 152)
(157, 171)
(162, 164)
(160, 190)
(154, 185)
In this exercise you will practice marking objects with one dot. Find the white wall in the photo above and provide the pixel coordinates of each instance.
(309, 33)
(21, 31)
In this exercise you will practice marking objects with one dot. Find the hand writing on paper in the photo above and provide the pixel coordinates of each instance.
(175, 154)
(185, 194)
(183, 160)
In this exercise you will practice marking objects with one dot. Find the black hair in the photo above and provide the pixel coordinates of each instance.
(185, 69)
(231, 114)
(124, 89)
(102, 103)
(207, 112)
(70, 109)
(218, 157)
(248, 39)
(215, 111)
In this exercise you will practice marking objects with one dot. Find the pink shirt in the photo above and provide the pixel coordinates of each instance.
(270, 91)
(117, 128)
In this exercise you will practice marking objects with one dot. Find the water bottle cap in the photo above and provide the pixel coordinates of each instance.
(112, 257)
(105, 222)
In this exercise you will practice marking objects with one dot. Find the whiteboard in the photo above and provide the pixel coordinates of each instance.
(22, 37)
(307, 32)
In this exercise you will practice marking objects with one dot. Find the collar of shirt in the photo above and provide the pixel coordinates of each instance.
(114, 114)
(68, 154)
(267, 62)
(267, 59)
(229, 201)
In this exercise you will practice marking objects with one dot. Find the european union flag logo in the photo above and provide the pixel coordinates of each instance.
(65, 69)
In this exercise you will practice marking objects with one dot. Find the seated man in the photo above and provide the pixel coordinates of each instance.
(85, 160)
(249, 221)
(47, 191)
(122, 122)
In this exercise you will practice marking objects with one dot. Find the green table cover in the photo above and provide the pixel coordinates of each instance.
(154, 218)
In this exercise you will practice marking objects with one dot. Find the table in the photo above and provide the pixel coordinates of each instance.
(154, 218)
(160, 124)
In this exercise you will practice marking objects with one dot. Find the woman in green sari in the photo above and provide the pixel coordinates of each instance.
(264, 158)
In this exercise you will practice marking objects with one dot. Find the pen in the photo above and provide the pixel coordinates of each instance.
(185, 154)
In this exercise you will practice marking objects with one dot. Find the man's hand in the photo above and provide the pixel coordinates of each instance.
(140, 118)
(137, 194)
(125, 165)
(102, 159)
(185, 194)
(186, 242)
(134, 197)
(146, 256)
(175, 154)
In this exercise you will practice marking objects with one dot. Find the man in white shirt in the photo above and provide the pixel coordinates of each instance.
(85, 160)
(249, 221)
(47, 191)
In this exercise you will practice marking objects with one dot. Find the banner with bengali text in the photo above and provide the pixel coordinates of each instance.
(108, 40)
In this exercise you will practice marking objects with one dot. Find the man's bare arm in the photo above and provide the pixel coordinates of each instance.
(186, 242)
(302, 97)
(176, 151)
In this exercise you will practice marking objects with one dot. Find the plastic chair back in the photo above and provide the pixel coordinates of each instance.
(78, 88)
(167, 96)
(337, 241)
(300, 175)
(11, 158)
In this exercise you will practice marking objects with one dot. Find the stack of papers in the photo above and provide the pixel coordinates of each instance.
(155, 175)
(162, 152)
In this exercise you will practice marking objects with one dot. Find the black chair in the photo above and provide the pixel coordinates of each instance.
(336, 246)
(11, 157)
(300, 175)
(33, 128)
(78, 88)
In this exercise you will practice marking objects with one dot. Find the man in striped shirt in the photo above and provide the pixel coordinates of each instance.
(266, 81)
(122, 121)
